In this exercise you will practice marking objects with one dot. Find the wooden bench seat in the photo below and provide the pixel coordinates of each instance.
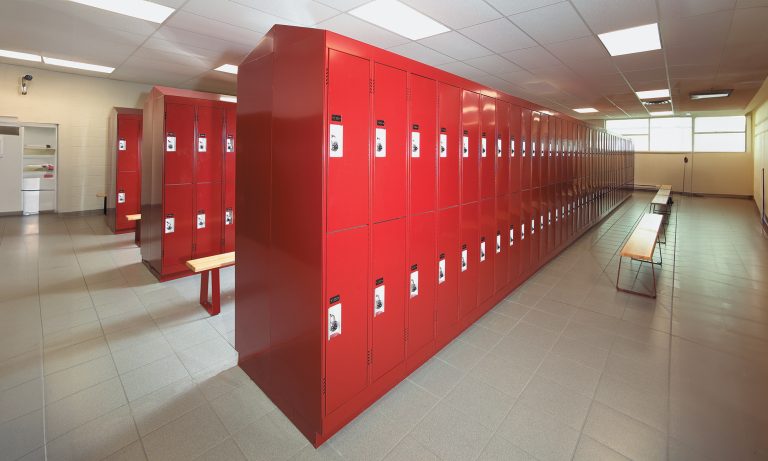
(137, 230)
(211, 265)
(641, 246)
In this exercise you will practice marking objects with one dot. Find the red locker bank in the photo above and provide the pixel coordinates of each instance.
(123, 192)
(188, 179)
(390, 205)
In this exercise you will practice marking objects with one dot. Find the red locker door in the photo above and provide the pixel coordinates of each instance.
(514, 237)
(389, 143)
(515, 149)
(129, 136)
(423, 150)
(346, 320)
(422, 282)
(207, 219)
(503, 154)
(178, 161)
(488, 141)
(347, 167)
(388, 302)
(449, 252)
(229, 180)
(469, 258)
(551, 219)
(485, 282)
(470, 160)
(449, 121)
(535, 232)
(536, 150)
(544, 150)
(209, 152)
(178, 223)
(525, 232)
(501, 244)
(128, 202)
(525, 149)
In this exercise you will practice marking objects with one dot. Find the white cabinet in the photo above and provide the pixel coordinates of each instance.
(10, 166)
(39, 167)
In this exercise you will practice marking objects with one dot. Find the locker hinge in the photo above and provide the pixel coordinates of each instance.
(322, 385)
(405, 335)
(407, 93)
(194, 247)
(371, 85)
(326, 75)
(370, 356)
(435, 316)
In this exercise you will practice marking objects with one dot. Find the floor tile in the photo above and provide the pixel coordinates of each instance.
(96, 439)
(66, 382)
(271, 438)
(166, 404)
(242, 406)
(539, 433)
(22, 435)
(567, 406)
(151, 377)
(499, 448)
(77, 409)
(486, 404)
(436, 377)
(409, 449)
(186, 437)
(624, 434)
(449, 434)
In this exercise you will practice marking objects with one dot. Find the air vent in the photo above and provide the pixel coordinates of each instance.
(657, 102)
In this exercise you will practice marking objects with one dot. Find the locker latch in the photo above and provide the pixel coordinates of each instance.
(334, 317)
(464, 258)
(121, 196)
(414, 290)
(482, 249)
(379, 297)
(441, 269)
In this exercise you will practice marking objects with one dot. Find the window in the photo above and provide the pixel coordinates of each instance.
(683, 134)
(720, 134)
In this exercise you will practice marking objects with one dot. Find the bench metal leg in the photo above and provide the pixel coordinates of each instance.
(214, 305)
(137, 234)
(625, 290)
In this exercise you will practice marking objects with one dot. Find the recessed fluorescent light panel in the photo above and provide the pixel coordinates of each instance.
(228, 68)
(141, 9)
(399, 18)
(227, 98)
(662, 113)
(586, 110)
(18, 55)
(711, 94)
(78, 65)
(652, 94)
(632, 40)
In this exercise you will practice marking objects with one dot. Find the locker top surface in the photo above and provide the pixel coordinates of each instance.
(128, 111)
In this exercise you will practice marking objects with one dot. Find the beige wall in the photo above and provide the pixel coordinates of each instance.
(80, 105)
(760, 130)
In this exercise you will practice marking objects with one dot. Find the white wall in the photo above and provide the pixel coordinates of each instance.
(80, 105)
(760, 124)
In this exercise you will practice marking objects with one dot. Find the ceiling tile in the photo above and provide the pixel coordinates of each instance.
(553, 23)
(673, 8)
(591, 67)
(455, 14)
(195, 23)
(750, 3)
(211, 82)
(692, 55)
(609, 15)
(464, 70)
(455, 45)
(578, 49)
(421, 53)
(358, 29)
(532, 58)
(493, 64)
(304, 12)
(343, 5)
(639, 61)
(749, 26)
(522, 76)
(509, 8)
(499, 35)
(701, 30)
(185, 38)
(234, 14)
(680, 72)
(648, 76)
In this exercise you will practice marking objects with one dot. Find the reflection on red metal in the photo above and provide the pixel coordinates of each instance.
(373, 228)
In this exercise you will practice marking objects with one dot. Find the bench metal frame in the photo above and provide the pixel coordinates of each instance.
(653, 272)
(214, 305)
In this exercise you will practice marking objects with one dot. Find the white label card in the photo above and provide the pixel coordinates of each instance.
(522, 232)
(122, 144)
(511, 236)
(482, 250)
(498, 242)
(414, 288)
(415, 144)
(228, 217)
(202, 143)
(483, 145)
(443, 145)
(498, 148)
(121, 197)
(512, 147)
(465, 146)
(378, 300)
(381, 142)
(533, 226)
(201, 220)
(230, 144)
(441, 271)
(464, 260)
(170, 224)
(334, 320)
(170, 143)
(336, 141)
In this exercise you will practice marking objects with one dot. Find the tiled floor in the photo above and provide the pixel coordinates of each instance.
(98, 360)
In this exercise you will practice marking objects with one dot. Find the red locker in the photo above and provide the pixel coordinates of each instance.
(526, 232)
(544, 150)
(128, 201)
(210, 140)
(124, 188)
(535, 231)
(501, 244)
(208, 220)
(503, 151)
(449, 121)
(515, 151)
(470, 161)
(179, 143)
(230, 168)
(388, 301)
(488, 148)
(389, 143)
(536, 150)
(488, 229)
(348, 91)
(448, 256)
(129, 139)
(526, 149)
(552, 219)
(346, 323)
(469, 258)
(423, 142)
(514, 262)
(178, 227)
(422, 282)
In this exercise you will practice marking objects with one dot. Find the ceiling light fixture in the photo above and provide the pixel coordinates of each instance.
(586, 110)
(652, 94)
(632, 40)
(399, 18)
(710, 94)
(228, 68)
(141, 9)
(662, 113)
(227, 98)
(19, 55)
(78, 65)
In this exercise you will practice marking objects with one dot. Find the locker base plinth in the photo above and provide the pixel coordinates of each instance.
(166, 277)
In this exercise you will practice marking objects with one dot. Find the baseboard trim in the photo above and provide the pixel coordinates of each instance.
(650, 188)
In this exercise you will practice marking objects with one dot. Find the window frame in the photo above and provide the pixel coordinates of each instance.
(649, 135)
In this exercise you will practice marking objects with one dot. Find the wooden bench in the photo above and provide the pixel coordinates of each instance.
(641, 246)
(137, 231)
(104, 196)
(211, 265)
(661, 202)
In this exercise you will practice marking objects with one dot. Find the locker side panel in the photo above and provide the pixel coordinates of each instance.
(230, 168)
(178, 224)
(347, 165)
(485, 283)
(209, 146)
(503, 153)
(389, 143)
(448, 254)
(470, 161)
(488, 140)
(387, 307)
(423, 145)
(178, 162)
(422, 274)
(469, 258)
(501, 244)
(208, 222)
(449, 145)
(346, 322)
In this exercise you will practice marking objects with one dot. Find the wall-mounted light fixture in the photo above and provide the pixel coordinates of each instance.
(25, 84)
